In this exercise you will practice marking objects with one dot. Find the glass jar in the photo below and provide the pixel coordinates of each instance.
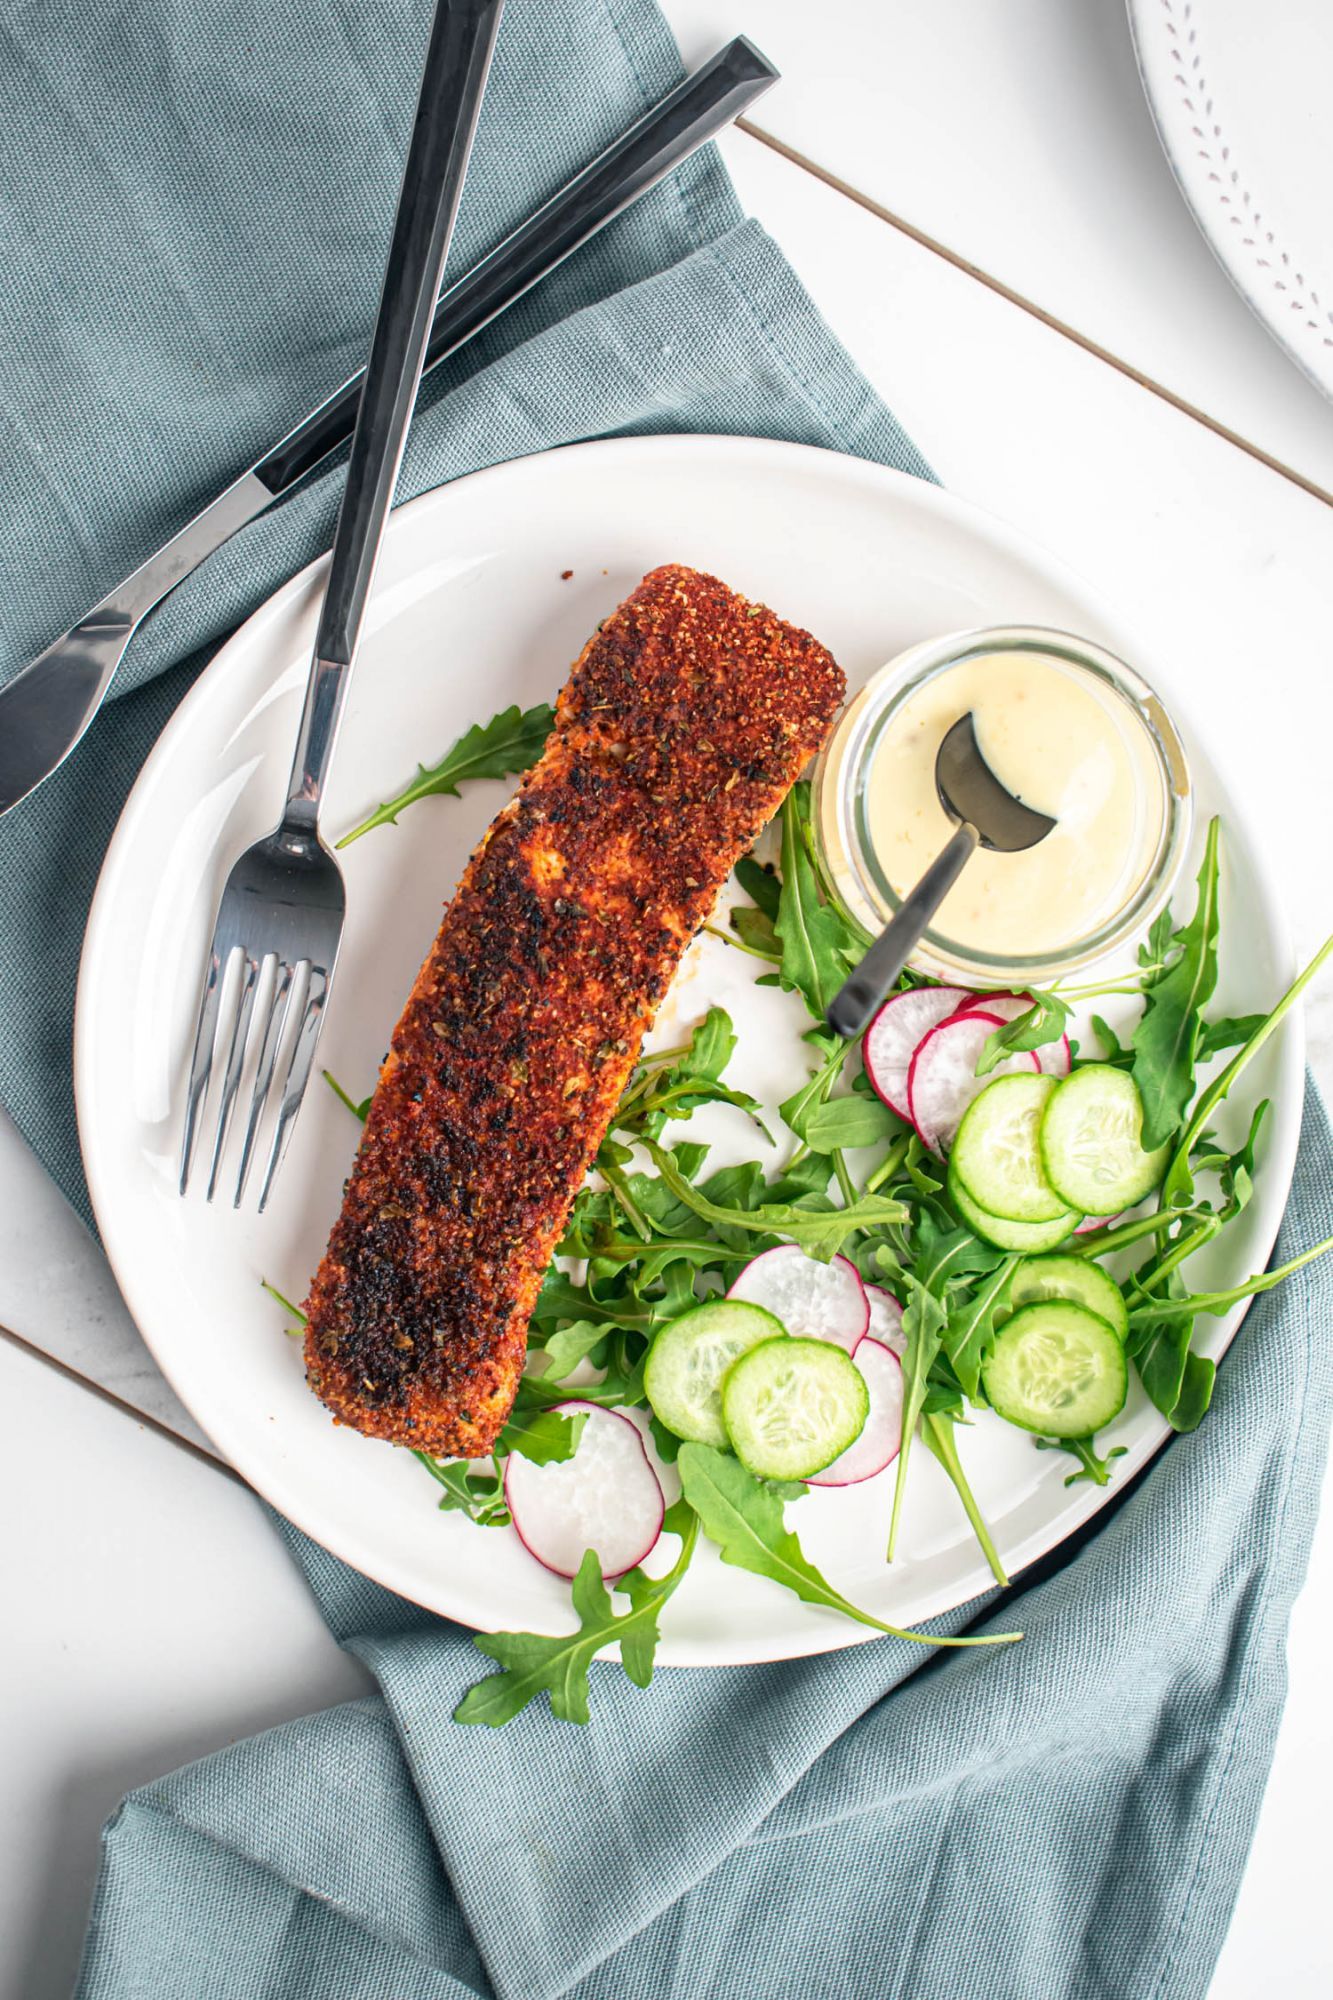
(857, 877)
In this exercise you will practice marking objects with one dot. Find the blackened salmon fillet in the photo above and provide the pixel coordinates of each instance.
(688, 716)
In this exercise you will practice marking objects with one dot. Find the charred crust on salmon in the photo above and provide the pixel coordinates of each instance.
(684, 722)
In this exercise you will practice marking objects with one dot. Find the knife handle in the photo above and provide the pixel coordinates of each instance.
(458, 59)
(719, 91)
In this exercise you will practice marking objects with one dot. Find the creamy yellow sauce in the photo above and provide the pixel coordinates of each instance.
(1060, 741)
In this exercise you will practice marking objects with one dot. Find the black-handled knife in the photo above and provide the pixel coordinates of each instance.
(47, 707)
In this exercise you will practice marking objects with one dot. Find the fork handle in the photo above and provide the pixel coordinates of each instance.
(457, 60)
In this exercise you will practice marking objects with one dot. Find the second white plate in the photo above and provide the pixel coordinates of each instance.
(1238, 93)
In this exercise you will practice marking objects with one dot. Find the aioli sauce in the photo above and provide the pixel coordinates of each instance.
(1060, 741)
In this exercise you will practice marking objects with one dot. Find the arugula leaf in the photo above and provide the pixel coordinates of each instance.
(939, 1436)
(1155, 951)
(566, 1347)
(1178, 1185)
(1166, 1038)
(674, 1091)
(561, 1298)
(849, 1122)
(760, 884)
(1235, 1170)
(1043, 1022)
(542, 1436)
(532, 1664)
(756, 932)
(1196, 1393)
(479, 1495)
(1118, 1055)
(1090, 1463)
(665, 1442)
(743, 1517)
(1219, 1036)
(924, 1321)
(1192, 1303)
(818, 946)
(943, 1257)
(970, 1327)
(923, 1170)
(360, 1111)
(795, 1111)
(286, 1305)
(1160, 1351)
(510, 742)
(821, 1232)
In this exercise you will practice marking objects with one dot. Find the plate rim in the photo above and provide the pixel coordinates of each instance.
(1202, 190)
(725, 1649)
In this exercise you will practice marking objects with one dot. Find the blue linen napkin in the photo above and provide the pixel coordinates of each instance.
(1065, 1819)
(195, 206)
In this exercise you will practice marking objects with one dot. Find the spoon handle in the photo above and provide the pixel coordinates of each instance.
(862, 993)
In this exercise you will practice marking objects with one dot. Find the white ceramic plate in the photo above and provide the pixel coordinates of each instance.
(471, 612)
(1238, 90)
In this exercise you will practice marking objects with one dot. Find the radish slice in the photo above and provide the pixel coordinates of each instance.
(943, 1078)
(606, 1497)
(886, 1319)
(882, 1434)
(814, 1301)
(1007, 1005)
(1054, 1058)
(891, 1039)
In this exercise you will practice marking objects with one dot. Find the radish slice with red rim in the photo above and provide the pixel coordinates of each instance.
(814, 1301)
(894, 1035)
(1054, 1058)
(606, 1497)
(943, 1078)
(886, 1319)
(882, 1433)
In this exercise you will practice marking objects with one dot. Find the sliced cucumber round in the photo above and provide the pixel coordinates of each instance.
(1058, 1370)
(689, 1357)
(792, 1406)
(997, 1153)
(1091, 1141)
(1078, 1279)
(1030, 1237)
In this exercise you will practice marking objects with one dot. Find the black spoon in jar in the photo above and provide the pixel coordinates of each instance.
(988, 816)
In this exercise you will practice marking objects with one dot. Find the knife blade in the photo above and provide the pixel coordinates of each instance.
(47, 707)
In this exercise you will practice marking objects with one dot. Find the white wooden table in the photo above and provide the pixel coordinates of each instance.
(153, 1615)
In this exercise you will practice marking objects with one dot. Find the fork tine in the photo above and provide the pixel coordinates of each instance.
(201, 1061)
(268, 1056)
(240, 1035)
(298, 1075)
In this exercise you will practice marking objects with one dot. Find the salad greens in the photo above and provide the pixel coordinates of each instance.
(742, 1516)
(654, 1233)
(532, 1665)
(510, 743)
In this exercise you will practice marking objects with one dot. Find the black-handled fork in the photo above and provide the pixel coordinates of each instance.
(283, 903)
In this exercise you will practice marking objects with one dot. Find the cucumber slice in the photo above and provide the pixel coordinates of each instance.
(689, 1357)
(1038, 1279)
(997, 1153)
(792, 1406)
(1090, 1141)
(1030, 1237)
(1057, 1369)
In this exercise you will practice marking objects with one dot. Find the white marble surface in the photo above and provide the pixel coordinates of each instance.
(158, 1616)
(1016, 133)
(152, 1616)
